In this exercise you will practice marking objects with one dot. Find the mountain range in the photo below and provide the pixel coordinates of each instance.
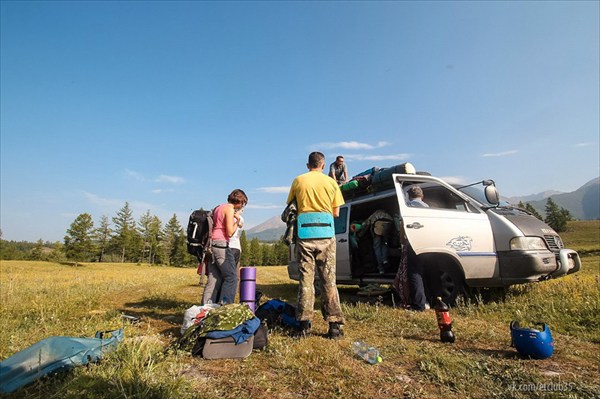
(583, 203)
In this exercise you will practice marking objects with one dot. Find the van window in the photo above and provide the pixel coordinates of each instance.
(340, 222)
(439, 197)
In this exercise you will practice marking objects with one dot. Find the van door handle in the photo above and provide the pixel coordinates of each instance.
(415, 225)
(342, 240)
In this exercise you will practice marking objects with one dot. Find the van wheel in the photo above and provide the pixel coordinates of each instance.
(451, 284)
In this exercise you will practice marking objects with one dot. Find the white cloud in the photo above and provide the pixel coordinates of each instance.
(160, 179)
(102, 202)
(134, 175)
(169, 179)
(161, 190)
(500, 154)
(377, 158)
(588, 144)
(275, 190)
(113, 204)
(351, 145)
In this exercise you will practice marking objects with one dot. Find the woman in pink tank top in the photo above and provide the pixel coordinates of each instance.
(222, 271)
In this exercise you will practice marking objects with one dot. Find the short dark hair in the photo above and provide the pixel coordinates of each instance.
(237, 196)
(415, 192)
(315, 158)
(339, 157)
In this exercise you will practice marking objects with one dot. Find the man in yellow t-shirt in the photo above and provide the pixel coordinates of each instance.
(315, 192)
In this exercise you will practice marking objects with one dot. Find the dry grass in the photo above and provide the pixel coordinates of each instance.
(43, 299)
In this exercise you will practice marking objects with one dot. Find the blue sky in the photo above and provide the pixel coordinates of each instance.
(171, 105)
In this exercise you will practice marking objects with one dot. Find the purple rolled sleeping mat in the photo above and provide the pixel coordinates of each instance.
(248, 287)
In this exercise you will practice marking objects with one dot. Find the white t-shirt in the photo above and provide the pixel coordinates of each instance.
(234, 241)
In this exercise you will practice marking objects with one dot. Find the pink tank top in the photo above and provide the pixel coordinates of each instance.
(219, 232)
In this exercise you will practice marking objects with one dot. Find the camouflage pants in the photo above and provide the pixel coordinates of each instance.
(318, 255)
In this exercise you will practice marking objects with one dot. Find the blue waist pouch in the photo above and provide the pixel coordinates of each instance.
(315, 225)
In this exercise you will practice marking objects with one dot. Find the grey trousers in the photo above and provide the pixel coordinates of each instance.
(222, 276)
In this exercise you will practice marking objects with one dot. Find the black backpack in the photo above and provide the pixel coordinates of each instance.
(199, 233)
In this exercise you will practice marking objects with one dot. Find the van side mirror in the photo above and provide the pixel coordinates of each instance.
(491, 194)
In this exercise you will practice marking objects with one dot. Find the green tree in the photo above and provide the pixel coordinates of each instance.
(174, 243)
(268, 256)
(37, 253)
(102, 236)
(78, 241)
(155, 239)
(149, 228)
(245, 247)
(255, 258)
(282, 252)
(556, 217)
(533, 211)
(126, 236)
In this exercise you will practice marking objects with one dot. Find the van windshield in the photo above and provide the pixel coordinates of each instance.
(477, 193)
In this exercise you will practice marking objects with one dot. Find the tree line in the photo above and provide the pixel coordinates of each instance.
(556, 217)
(148, 241)
(125, 240)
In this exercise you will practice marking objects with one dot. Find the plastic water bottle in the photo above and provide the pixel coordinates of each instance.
(367, 353)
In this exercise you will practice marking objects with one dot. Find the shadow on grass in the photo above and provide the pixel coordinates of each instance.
(498, 353)
(159, 303)
(285, 292)
(162, 310)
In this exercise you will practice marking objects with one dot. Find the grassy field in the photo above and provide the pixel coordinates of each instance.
(44, 299)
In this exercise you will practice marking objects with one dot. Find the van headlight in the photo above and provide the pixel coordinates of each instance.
(527, 244)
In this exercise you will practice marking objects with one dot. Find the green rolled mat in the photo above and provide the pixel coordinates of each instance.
(351, 185)
(355, 227)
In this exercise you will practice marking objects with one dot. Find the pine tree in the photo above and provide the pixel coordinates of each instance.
(174, 243)
(556, 217)
(149, 228)
(268, 256)
(533, 211)
(37, 253)
(78, 241)
(282, 253)
(255, 258)
(245, 247)
(102, 237)
(126, 235)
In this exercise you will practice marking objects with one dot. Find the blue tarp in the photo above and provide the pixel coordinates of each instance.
(240, 334)
(53, 354)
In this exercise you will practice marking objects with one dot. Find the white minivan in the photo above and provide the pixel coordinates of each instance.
(466, 238)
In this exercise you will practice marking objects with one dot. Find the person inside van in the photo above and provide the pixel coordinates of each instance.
(415, 197)
(380, 226)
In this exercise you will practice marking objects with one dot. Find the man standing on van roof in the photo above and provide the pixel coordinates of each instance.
(338, 170)
(318, 199)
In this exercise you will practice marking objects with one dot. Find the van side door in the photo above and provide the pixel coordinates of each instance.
(342, 245)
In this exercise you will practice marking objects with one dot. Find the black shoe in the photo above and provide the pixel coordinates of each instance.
(335, 331)
(304, 330)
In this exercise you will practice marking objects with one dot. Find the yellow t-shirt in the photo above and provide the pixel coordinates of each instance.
(315, 192)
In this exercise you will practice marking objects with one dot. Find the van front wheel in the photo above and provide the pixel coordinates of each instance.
(450, 284)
